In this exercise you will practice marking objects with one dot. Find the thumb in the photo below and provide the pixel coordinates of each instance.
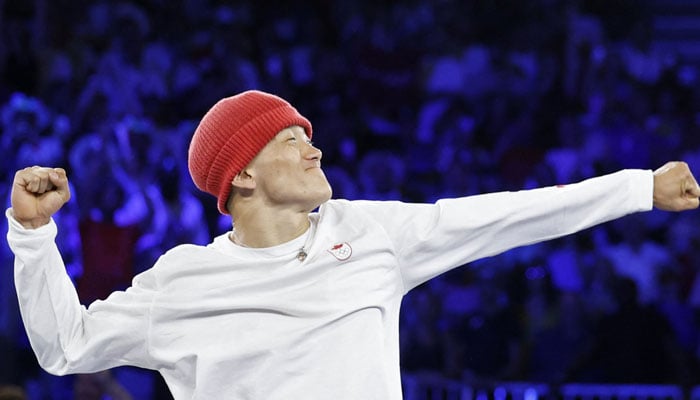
(694, 191)
(692, 188)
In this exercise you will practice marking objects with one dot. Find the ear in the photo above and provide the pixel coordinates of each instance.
(243, 180)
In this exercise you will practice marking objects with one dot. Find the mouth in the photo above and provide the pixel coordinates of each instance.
(315, 166)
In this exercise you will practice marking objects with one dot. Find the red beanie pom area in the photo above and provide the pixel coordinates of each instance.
(232, 133)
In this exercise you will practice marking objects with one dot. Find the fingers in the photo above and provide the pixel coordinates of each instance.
(34, 179)
(58, 178)
(40, 180)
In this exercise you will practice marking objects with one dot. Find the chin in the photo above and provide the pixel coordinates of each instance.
(322, 197)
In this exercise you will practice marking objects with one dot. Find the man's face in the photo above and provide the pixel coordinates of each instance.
(287, 171)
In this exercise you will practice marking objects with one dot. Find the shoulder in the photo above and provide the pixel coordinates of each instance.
(358, 206)
(183, 261)
(184, 249)
(341, 210)
(185, 254)
(365, 213)
(373, 209)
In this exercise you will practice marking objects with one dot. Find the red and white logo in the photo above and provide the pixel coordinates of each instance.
(341, 251)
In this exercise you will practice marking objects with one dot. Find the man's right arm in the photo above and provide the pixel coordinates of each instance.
(67, 337)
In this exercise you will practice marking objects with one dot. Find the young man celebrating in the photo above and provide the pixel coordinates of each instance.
(290, 303)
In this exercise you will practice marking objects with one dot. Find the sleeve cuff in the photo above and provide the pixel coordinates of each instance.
(642, 188)
(16, 228)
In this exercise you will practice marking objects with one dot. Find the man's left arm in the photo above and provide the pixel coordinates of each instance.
(431, 239)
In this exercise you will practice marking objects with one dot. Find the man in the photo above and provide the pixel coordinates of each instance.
(290, 303)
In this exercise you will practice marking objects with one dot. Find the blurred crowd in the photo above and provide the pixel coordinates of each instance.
(410, 100)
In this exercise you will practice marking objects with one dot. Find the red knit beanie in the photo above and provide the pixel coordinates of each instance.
(232, 133)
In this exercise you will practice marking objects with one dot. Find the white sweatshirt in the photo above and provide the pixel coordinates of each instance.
(227, 322)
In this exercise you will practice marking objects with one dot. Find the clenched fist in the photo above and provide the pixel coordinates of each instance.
(675, 187)
(37, 194)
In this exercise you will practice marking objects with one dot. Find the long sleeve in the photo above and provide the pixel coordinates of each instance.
(430, 239)
(67, 337)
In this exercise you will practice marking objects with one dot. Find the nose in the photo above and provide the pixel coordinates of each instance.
(314, 152)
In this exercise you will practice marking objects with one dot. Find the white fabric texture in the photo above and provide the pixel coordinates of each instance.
(227, 322)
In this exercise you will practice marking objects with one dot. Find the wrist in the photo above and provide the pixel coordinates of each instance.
(32, 223)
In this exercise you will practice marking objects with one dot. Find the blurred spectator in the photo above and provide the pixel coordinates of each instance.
(179, 215)
(634, 344)
(483, 338)
(423, 345)
(381, 176)
(556, 345)
(26, 124)
(638, 257)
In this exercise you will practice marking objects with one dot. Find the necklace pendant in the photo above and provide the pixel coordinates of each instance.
(301, 256)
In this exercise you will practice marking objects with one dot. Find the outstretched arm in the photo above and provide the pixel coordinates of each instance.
(65, 336)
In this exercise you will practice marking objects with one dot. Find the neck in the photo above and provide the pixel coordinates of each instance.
(264, 231)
